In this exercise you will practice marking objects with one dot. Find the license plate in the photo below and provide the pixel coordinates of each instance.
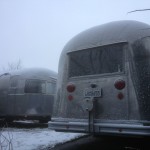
(92, 93)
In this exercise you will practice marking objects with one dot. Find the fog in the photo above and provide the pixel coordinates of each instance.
(35, 31)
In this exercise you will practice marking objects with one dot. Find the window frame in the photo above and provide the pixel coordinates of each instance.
(34, 92)
(124, 45)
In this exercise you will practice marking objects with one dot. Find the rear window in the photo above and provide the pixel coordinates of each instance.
(98, 60)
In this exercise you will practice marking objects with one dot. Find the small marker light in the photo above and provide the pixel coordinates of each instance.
(120, 96)
(70, 97)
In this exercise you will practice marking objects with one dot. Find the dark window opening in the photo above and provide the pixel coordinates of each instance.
(35, 86)
(98, 60)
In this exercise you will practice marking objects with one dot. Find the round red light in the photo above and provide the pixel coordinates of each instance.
(120, 84)
(120, 96)
(70, 97)
(70, 87)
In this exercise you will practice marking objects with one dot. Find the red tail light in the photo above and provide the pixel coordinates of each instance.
(71, 87)
(120, 96)
(120, 84)
(70, 97)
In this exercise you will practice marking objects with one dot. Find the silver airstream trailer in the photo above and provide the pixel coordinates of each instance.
(27, 94)
(103, 85)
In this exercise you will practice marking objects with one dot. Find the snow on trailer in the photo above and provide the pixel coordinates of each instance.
(103, 84)
(27, 94)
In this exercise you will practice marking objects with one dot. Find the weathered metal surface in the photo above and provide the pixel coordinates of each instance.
(96, 59)
(26, 94)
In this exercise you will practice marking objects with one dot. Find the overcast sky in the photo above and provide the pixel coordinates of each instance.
(35, 31)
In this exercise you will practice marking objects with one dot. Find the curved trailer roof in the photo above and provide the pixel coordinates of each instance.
(109, 33)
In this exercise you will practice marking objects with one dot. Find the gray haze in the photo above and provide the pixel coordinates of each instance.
(35, 31)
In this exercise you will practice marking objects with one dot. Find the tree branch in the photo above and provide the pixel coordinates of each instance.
(138, 10)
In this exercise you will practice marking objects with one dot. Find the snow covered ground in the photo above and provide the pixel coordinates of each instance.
(33, 139)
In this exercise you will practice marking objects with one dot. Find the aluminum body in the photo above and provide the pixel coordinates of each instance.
(93, 61)
(27, 94)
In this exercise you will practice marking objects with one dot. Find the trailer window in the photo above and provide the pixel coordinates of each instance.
(98, 60)
(14, 81)
(50, 88)
(35, 86)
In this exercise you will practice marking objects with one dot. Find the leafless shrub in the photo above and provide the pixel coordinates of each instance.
(6, 138)
(13, 66)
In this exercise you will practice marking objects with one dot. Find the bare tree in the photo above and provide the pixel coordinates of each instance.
(13, 66)
(6, 138)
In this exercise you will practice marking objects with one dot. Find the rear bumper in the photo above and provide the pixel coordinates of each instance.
(99, 128)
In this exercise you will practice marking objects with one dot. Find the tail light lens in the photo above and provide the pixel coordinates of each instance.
(120, 96)
(70, 97)
(71, 87)
(120, 84)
